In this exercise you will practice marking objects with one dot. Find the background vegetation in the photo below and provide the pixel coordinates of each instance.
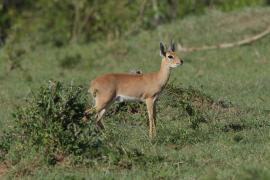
(213, 117)
(87, 20)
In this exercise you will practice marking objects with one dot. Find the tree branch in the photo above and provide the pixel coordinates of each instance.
(246, 41)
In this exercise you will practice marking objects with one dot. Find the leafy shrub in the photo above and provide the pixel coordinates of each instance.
(51, 121)
(52, 109)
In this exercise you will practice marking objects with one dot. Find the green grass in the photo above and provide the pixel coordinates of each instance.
(233, 143)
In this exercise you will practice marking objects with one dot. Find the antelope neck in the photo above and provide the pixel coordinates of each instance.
(164, 73)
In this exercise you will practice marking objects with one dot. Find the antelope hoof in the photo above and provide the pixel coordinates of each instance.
(85, 119)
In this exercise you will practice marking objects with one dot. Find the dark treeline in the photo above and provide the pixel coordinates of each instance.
(64, 21)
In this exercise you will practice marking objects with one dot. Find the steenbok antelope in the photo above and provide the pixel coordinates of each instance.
(139, 87)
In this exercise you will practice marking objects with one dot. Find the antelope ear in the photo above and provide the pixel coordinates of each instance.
(172, 47)
(162, 50)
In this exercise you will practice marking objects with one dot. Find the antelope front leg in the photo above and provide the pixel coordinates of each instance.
(99, 121)
(150, 109)
(154, 118)
(86, 114)
(98, 117)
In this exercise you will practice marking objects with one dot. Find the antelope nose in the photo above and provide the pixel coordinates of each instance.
(181, 62)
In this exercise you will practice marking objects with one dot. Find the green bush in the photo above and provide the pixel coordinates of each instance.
(51, 122)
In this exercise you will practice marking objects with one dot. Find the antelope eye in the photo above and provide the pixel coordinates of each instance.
(170, 57)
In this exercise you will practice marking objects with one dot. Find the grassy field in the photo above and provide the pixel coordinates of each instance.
(231, 142)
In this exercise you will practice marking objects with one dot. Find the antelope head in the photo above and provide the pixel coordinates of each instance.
(169, 56)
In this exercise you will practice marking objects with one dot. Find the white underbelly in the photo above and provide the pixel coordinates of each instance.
(122, 98)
